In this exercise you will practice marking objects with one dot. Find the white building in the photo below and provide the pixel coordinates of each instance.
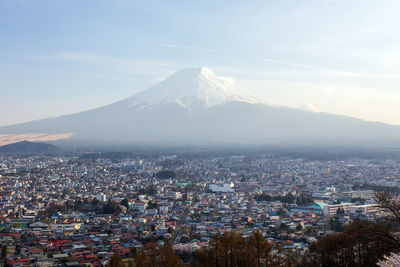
(163, 209)
(226, 188)
(65, 226)
(362, 209)
(101, 197)
(177, 195)
(332, 209)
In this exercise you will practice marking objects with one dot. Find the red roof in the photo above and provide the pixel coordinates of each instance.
(92, 256)
(35, 250)
(11, 234)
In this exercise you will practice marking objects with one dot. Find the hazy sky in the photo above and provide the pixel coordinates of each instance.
(64, 56)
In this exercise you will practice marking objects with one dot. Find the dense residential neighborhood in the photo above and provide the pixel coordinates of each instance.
(74, 210)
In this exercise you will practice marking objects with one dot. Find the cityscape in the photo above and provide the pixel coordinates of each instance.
(80, 210)
(199, 133)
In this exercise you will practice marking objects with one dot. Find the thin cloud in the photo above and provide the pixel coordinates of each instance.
(189, 47)
(327, 70)
(115, 64)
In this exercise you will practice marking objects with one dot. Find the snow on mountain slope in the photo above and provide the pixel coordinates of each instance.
(192, 88)
(195, 106)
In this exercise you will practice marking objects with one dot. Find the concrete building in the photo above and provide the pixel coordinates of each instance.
(332, 209)
(226, 188)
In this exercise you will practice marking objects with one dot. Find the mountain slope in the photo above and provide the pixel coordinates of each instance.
(193, 88)
(29, 147)
(195, 106)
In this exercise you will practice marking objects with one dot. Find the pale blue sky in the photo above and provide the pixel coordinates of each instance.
(64, 56)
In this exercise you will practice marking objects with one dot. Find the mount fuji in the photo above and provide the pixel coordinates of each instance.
(193, 89)
(195, 106)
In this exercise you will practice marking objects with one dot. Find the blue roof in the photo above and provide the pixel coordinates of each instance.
(319, 205)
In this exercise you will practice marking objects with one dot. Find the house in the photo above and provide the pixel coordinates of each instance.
(139, 205)
(39, 225)
(65, 226)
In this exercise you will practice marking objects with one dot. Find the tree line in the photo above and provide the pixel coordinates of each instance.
(301, 200)
(229, 249)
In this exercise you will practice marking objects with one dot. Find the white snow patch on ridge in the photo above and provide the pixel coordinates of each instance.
(192, 88)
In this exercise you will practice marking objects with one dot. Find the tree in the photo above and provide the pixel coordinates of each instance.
(112, 208)
(149, 190)
(168, 257)
(52, 208)
(165, 174)
(125, 203)
(231, 249)
(78, 204)
(95, 202)
(261, 247)
(154, 256)
(389, 203)
(362, 243)
(152, 250)
(336, 225)
(283, 226)
(340, 211)
(304, 200)
(151, 205)
(115, 261)
(390, 261)
(299, 227)
(357, 199)
(141, 259)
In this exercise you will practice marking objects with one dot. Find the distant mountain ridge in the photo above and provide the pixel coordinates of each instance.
(29, 147)
(196, 107)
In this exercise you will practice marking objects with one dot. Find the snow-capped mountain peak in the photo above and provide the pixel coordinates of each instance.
(176, 112)
(192, 88)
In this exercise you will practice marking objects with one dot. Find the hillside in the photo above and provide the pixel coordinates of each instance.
(29, 147)
(197, 107)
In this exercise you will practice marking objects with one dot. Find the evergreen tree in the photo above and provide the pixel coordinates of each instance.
(125, 203)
